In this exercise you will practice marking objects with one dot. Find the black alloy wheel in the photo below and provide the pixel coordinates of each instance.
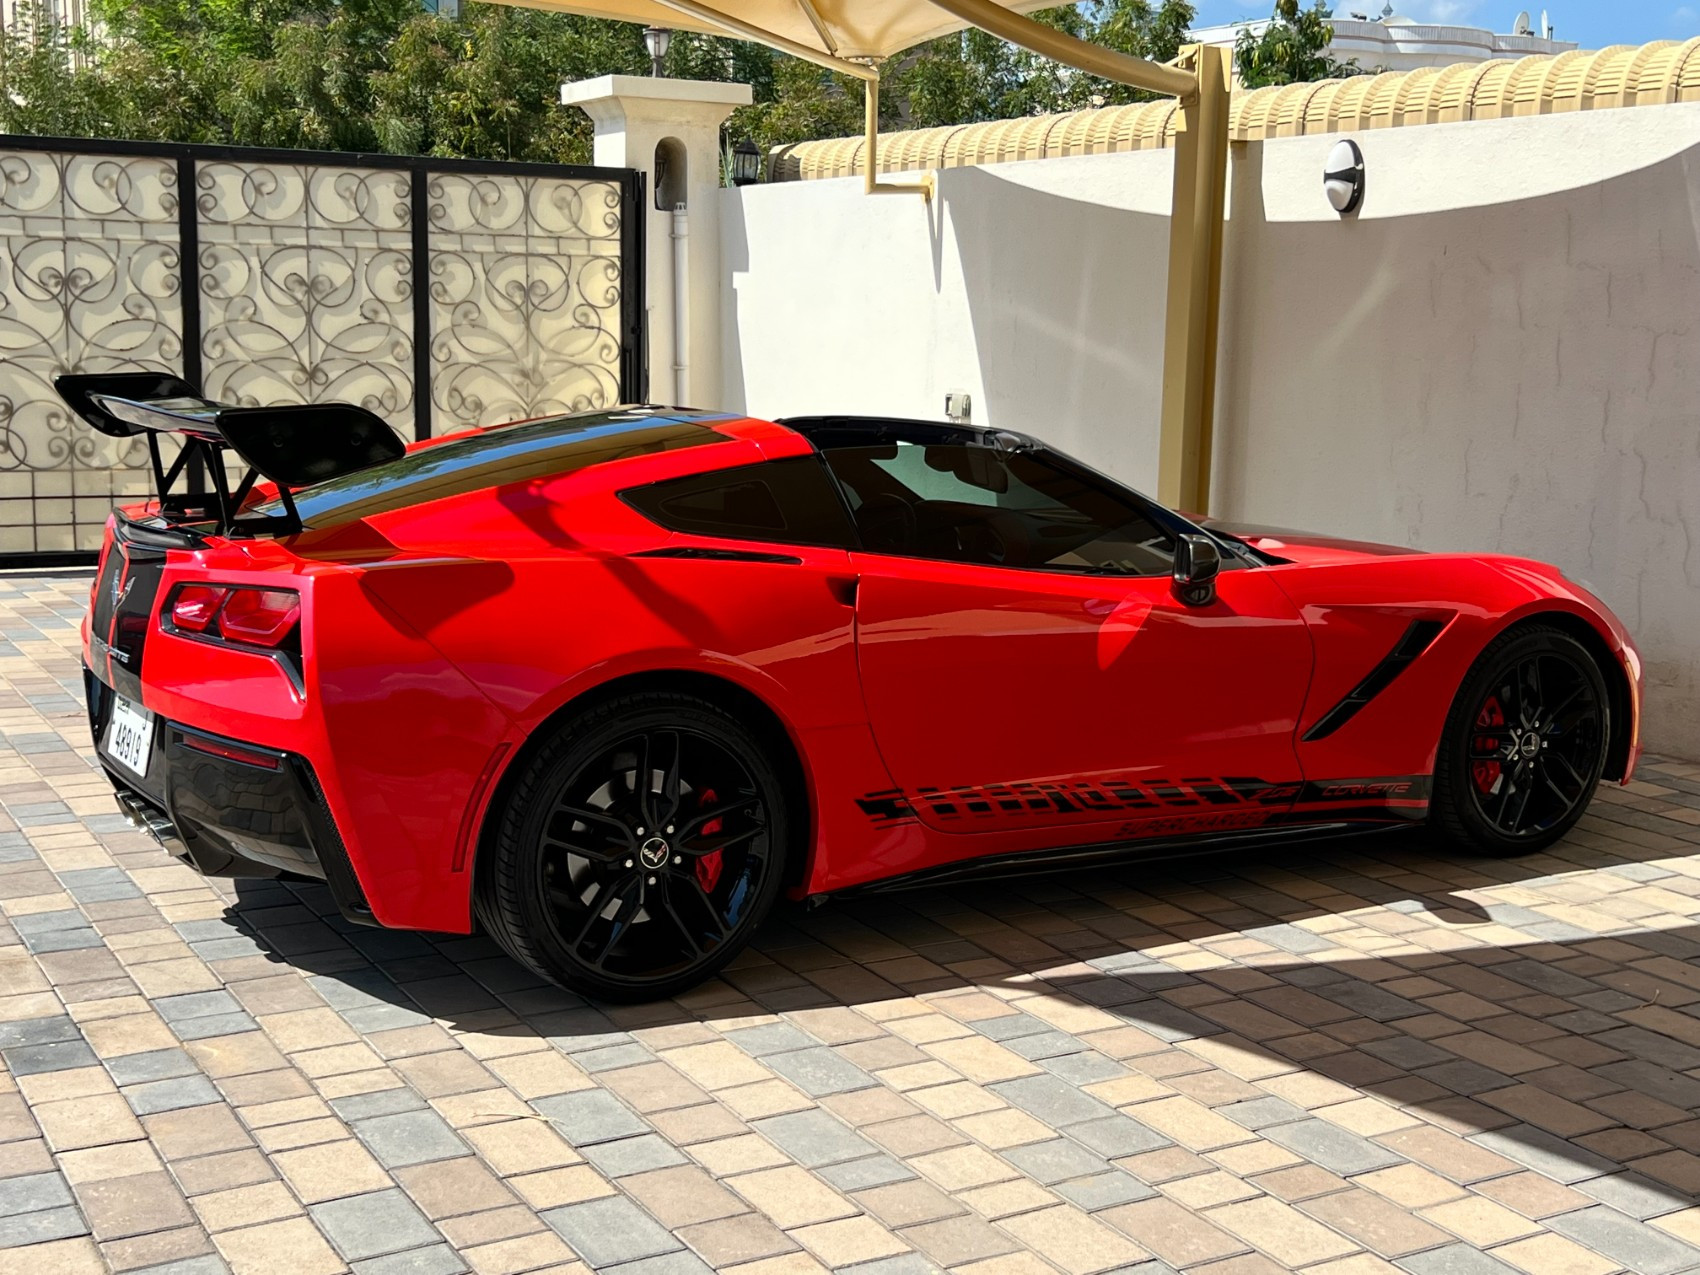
(638, 850)
(1525, 744)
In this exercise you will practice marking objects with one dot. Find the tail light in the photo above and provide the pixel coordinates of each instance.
(236, 613)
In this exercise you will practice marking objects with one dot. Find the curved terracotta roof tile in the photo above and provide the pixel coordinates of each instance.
(1623, 75)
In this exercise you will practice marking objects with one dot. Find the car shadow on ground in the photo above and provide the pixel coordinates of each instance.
(1556, 1046)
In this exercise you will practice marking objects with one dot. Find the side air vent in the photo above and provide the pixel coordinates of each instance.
(1413, 642)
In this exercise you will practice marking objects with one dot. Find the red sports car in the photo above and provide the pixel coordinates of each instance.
(607, 684)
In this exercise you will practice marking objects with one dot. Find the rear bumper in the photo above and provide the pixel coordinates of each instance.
(229, 808)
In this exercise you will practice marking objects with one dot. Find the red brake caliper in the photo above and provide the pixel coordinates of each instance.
(1486, 771)
(708, 867)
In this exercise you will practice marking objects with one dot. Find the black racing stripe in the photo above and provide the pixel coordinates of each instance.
(719, 555)
(1416, 639)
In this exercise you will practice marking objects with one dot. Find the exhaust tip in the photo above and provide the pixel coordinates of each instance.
(143, 818)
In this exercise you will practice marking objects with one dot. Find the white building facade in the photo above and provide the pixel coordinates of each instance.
(1395, 43)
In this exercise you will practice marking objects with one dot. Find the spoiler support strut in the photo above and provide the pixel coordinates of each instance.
(291, 446)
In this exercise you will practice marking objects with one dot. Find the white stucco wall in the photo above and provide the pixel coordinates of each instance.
(1500, 351)
(1036, 287)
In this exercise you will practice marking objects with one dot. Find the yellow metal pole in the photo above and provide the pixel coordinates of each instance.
(870, 150)
(1195, 285)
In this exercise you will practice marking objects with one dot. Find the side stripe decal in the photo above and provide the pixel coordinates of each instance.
(1105, 798)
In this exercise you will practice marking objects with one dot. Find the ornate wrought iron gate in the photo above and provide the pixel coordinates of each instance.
(439, 293)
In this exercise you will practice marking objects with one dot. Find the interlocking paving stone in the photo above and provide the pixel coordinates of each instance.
(1635, 1195)
(1332, 1147)
(1550, 1156)
(1455, 1259)
(175, 1009)
(1261, 1113)
(439, 1259)
(208, 1264)
(383, 1102)
(152, 1064)
(412, 1137)
(1055, 1161)
(1641, 1248)
(858, 1175)
(609, 1232)
(1044, 1044)
(38, 1031)
(614, 1056)
(633, 1155)
(771, 1038)
(169, 1095)
(1117, 1135)
(1085, 1068)
(1007, 1027)
(33, 1191)
(591, 1116)
(679, 1263)
(1051, 1100)
(1105, 1190)
(62, 1055)
(1239, 1032)
(903, 1264)
(819, 1071)
(22, 1229)
(206, 1026)
(813, 1138)
(372, 1225)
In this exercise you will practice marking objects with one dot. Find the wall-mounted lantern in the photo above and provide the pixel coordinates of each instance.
(1343, 177)
(656, 40)
(746, 164)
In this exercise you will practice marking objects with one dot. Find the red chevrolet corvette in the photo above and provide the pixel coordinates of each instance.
(607, 684)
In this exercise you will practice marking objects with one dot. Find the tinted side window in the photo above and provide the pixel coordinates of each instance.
(1008, 508)
(788, 501)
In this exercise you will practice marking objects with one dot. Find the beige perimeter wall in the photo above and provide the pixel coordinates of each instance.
(1501, 351)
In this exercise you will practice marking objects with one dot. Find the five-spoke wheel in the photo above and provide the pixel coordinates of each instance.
(1525, 744)
(639, 848)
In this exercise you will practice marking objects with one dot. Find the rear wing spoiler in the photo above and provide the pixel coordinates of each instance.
(293, 446)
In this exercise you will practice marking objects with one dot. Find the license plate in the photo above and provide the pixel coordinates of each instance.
(129, 736)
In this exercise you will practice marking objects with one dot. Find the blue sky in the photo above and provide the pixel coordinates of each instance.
(1592, 23)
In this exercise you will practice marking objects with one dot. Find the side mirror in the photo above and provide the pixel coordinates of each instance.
(1197, 560)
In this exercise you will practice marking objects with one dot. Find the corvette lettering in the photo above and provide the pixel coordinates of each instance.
(1366, 790)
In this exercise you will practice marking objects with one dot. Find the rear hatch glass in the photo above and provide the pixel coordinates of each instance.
(503, 454)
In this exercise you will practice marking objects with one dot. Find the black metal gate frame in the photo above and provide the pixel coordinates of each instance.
(634, 355)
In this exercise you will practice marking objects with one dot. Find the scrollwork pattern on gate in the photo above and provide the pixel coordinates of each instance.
(306, 281)
(90, 281)
(525, 287)
(305, 277)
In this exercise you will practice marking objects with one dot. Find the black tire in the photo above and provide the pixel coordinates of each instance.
(625, 894)
(1524, 744)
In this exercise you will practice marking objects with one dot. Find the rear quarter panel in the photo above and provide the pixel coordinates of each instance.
(533, 596)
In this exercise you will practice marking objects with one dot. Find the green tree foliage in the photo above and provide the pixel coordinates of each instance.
(1292, 49)
(383, 75)
(974, 76)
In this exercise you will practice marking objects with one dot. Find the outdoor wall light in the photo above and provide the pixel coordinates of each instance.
(656, 40)
(746, 164)
(1343, 177)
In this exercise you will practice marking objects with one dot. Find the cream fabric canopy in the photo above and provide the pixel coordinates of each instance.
(848, 29)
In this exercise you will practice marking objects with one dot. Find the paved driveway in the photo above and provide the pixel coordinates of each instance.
(1368, 1059)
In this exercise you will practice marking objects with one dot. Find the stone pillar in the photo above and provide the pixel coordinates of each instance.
(646, 123)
